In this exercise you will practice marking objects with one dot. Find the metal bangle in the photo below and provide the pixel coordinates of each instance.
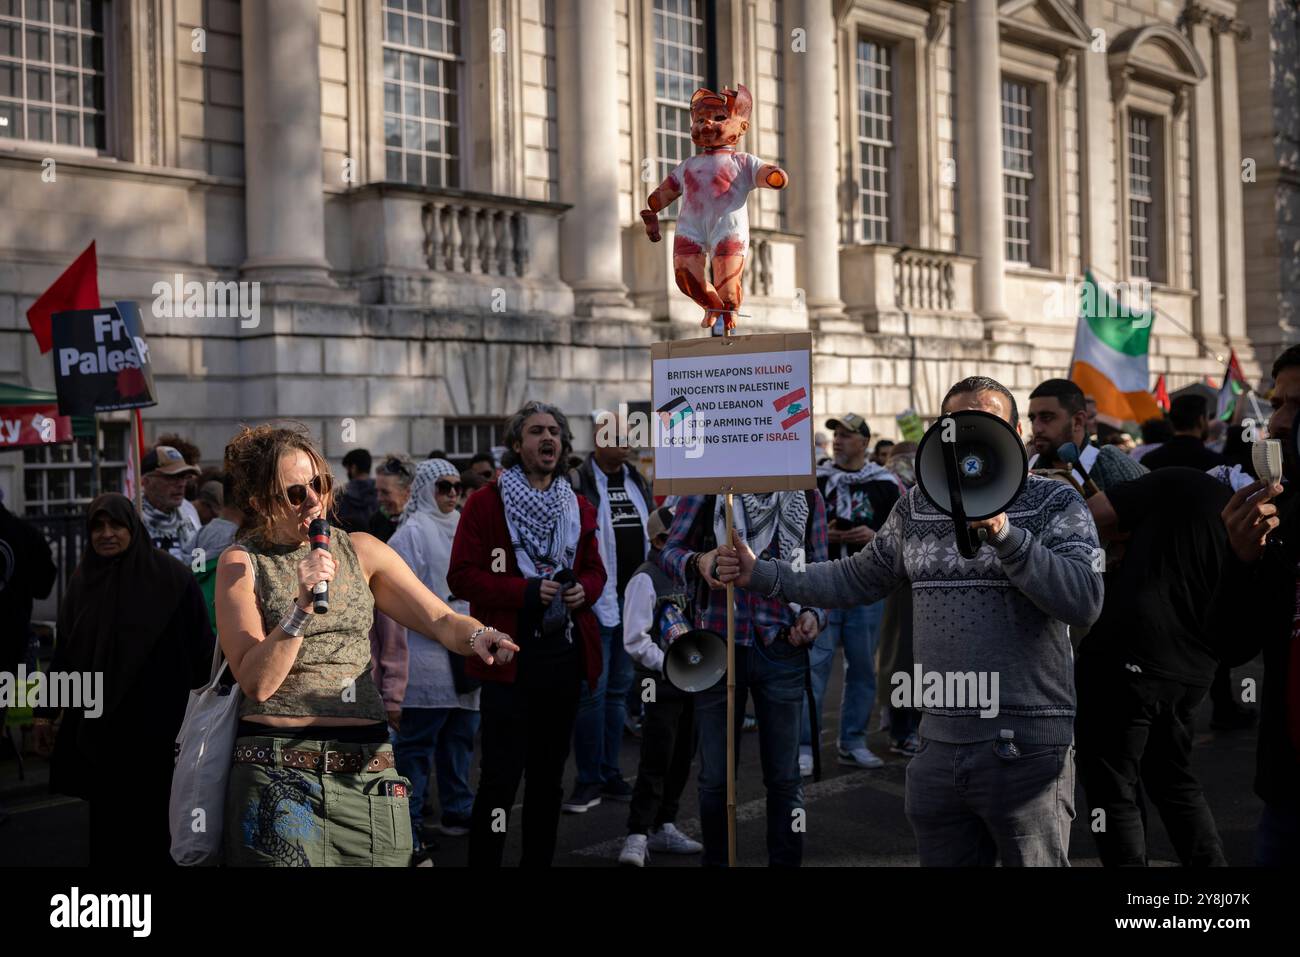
(294, 623)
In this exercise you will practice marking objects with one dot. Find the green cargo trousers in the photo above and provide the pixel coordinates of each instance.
(279, 816)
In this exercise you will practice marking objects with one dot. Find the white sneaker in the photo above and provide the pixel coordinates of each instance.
(860, 758)
(634, 853)
(669, 840)
(805, 762)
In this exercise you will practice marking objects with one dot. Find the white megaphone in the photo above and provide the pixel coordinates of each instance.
(971, 465)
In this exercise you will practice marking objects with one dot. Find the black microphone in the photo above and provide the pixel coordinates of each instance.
(319, 532)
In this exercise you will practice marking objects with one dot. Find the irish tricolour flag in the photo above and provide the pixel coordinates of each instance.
(1110, 355)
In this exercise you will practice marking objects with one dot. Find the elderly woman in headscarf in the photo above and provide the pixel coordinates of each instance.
(440, 709)
(135, 619)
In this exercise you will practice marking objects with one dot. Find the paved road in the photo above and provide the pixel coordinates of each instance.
(854, 817)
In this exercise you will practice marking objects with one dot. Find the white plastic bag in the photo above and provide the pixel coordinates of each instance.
(205, 748)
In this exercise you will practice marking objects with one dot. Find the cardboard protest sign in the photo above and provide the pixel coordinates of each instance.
(734, 414)
(101, 360)
(910, 425)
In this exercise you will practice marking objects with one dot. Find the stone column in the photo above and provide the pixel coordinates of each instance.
(591, 250)
(1097, 158)
(1233, 262)
(1206, 164)
(980, 101)
(283, 197)
(814, 195)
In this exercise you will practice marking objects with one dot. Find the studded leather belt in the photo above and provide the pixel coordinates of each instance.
(326, 762)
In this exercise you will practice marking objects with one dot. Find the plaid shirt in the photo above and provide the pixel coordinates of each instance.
(754, 613)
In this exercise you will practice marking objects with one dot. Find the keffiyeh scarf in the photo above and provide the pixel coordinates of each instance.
(838, 481)
(760, 518)
(544, 526)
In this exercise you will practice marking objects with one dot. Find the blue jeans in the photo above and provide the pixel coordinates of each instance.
(598, 732)
(970, 807)
(775, 676)
(447, 736)
(858, 630)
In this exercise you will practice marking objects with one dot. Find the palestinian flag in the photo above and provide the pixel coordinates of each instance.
(1110, 356)
(795, 406)
(1234, 385)
(674, 411)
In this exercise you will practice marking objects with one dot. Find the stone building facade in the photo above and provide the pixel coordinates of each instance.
(438, 198)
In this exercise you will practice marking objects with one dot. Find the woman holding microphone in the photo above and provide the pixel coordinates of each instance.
(313, 781)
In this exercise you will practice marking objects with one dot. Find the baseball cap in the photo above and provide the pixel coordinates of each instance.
(168, 461)
(851, 421)
(661, 519)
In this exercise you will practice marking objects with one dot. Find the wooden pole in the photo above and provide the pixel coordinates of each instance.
(94, 461)
(136, 438)
(731, 706)
(731, 689)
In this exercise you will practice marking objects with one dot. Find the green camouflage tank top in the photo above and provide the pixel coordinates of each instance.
(331, 676)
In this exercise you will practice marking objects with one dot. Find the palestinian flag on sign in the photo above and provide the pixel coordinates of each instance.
(795, 405)
(674, 411)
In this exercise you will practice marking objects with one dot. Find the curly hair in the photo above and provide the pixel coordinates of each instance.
(253, 463)
(514, 432)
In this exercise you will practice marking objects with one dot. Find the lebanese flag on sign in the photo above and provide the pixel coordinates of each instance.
(793, 403)
(77, 288)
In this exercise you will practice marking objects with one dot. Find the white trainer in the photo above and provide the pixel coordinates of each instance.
(634, 853)
(860, 758)
(669, 840)
(805, 762)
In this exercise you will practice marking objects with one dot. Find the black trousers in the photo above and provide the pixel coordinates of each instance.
(1134, 735)
(526, 729)
(667, 749)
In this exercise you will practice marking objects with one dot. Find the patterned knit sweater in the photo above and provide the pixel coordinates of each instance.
(1005, 611)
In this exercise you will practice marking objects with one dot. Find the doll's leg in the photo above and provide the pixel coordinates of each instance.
(730, 245)
(689, 271)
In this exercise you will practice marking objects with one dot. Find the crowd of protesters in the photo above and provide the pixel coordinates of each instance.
(515, 605)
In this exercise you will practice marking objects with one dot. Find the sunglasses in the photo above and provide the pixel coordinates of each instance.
(393, 466)
(297, 494)
(448, 488)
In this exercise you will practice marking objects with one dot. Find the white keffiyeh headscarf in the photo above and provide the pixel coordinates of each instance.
(760, 518)
(420, 498)
(544, 526)
(838, 481)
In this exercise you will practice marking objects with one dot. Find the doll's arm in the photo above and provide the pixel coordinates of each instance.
(771, 176)
(664, 194)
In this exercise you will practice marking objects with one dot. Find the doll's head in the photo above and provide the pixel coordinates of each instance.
(719, 119)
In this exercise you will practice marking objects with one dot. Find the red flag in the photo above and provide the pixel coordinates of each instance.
(77, 288)
(1161, 393)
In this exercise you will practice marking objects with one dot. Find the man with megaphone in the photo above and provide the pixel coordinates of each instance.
(994, 777)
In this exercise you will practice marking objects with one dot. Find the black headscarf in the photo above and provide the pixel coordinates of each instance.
(116, 608)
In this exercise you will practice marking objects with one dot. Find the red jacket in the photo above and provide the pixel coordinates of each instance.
(500, 598)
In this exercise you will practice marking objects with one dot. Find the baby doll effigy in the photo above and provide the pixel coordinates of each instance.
(714, 185)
